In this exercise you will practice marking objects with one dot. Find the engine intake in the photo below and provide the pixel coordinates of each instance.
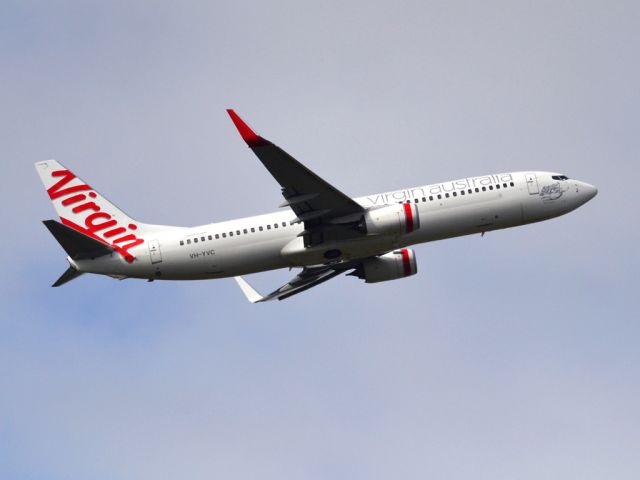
(396, 219)
(390, 266)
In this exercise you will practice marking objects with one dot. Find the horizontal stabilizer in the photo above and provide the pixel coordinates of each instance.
(77, 245)
(70, 274)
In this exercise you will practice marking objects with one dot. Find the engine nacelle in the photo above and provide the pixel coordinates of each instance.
(390, 266)
(395, 219)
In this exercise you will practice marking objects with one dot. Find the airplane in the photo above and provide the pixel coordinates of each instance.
(319, 229)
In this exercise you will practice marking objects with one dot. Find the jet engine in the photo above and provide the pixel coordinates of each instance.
(395, 219)
(390, 266)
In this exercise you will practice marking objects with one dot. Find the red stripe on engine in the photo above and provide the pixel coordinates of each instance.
(406, 262)
(408, 217)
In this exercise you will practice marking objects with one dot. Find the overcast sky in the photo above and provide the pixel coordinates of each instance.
(515, 355)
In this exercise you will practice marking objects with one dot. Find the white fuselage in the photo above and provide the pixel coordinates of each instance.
(271, 241)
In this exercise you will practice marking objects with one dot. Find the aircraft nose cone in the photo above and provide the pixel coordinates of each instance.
(590, 191)
(587, 192)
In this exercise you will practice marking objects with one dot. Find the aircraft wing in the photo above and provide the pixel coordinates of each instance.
(307, 278)
(314, 201)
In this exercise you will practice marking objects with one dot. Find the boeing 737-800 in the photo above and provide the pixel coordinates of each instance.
(319, 229)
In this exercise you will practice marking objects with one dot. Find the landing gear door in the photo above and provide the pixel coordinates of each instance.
(154, 251)
(532, 183)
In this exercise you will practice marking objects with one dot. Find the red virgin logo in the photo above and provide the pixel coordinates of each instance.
(98, 224)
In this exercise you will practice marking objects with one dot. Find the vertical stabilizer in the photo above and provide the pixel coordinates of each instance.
(85, 210)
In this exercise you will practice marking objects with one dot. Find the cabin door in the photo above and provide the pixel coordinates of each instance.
(532, 183)
(154, 251)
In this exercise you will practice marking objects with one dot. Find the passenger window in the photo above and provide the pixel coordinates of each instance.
(284, 224)
(231, 234)
(455, 194)
(245, 231)
(202, 238)
(469, 191)
(415, 200)
(237, 232)
(217, 236)
(461, 192)
(424, 199)
(210, 237)
(181, 242)
(431, 198)
(195, 240)
(268, 227)
(260, 228)
(224, 235)
(484, 189)
(498, 187)
(504, 185)
(253, 230)
(275, 225)
(477, 190)
(490, 187)
(188, 241)
(446, 195)
(439, 197)
(512, 184)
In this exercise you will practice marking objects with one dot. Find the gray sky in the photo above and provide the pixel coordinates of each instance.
(511, 356)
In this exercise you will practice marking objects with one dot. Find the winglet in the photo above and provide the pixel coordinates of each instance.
(248, 290)
(248, 135)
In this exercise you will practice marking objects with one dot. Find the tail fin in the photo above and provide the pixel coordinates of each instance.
(84, 210)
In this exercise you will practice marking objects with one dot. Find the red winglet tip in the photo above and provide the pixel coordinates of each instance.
(248, 135)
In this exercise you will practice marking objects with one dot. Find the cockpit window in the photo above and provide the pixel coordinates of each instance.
(559, 177)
